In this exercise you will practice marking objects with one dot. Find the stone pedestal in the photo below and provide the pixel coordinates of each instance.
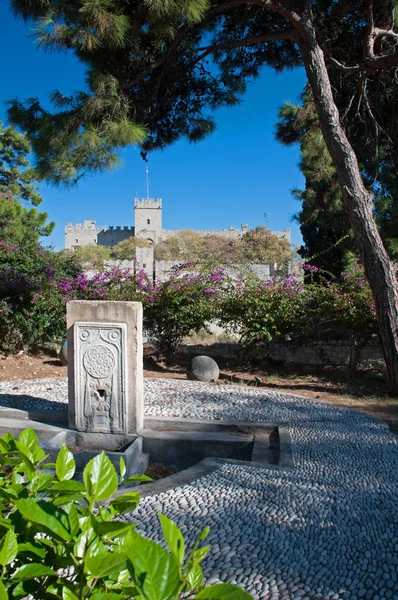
(105, 366)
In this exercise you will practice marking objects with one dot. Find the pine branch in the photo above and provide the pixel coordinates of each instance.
(267, 37)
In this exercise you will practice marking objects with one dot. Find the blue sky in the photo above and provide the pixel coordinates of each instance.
(232, 177)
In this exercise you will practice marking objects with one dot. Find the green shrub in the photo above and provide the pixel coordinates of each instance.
(261, 311)
(32, 309)
(62, 539)
(180, 306)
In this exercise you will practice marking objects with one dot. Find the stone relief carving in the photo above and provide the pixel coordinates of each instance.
(101, 377)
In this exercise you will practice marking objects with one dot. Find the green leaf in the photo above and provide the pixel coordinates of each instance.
(102, 565)
(200, 553)
(6, 523)
(28, 438)
(44, 482)
(27, 456)
(67, 594)
(29, 588)
(108, 596)
(51, 519)
(53, 589)
(8, 548)
(68, 486)
(203, 534)
(49, 465)
(125, 503)
(100, 478)
(73, 524)
(194, 577)
(127, 591)
(84, 540)
(3, 591)
(136, 478)
(34, 548)
(223, 591)
(38, 454)
(112, 529)
(17, 478)
(122, 467)
(174, 538)
(154, 571)
(31, 571)
(65, 465)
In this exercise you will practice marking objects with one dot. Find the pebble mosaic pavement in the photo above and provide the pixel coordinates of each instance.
(326, 530)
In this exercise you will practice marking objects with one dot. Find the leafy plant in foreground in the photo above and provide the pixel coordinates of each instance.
(62, 539)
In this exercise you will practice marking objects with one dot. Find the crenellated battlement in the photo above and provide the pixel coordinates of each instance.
(148, 202)
(86, 226)
(112, 229)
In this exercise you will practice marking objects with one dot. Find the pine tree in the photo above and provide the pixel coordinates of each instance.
(19, 224)
(167, 65)
(16, 176)
(324, 224)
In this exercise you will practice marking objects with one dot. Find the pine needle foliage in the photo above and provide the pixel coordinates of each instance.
(17, 177)
(157, 70)
(324, 224)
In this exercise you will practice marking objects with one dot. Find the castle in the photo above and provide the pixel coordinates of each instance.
(148, 225)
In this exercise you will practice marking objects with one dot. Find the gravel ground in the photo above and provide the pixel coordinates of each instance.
(326, 530)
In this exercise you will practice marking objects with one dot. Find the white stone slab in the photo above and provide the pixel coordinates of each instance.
(105, 368)
(101, 385)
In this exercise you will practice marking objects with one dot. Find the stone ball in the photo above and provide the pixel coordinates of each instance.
(63, 354)
(203, 368)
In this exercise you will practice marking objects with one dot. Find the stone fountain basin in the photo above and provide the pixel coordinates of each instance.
(85, 446)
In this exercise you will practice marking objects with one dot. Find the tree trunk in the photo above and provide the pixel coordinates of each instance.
(359, 205)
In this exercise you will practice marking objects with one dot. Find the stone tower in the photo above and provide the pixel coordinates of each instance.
(148, 219)
(82, 234)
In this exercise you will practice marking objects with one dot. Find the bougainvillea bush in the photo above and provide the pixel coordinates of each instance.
(31, 308)
(261, 311)
(184, 304)
(347, 301)
(64, 539)
(36, 284)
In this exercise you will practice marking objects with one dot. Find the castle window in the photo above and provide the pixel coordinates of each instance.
(148, 221)
(144, 266)
(77, 241)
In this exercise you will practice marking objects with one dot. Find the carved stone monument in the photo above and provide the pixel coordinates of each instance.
(105, 366)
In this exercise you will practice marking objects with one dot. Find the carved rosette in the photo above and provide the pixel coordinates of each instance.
(101, 378)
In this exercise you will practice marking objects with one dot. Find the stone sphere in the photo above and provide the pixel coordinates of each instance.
(63, 354)
(203, 368)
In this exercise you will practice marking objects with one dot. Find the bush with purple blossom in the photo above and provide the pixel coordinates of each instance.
(260, 311)
(184, 304)
(32, 311)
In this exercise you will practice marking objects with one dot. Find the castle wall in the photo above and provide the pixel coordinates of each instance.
(286, 234)
(264, 272)
(113, 235)
(148, 225)
(82, 234)
(122, 264)
(163, 267)
(160, 270)
(230, 233)
(145, 259)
